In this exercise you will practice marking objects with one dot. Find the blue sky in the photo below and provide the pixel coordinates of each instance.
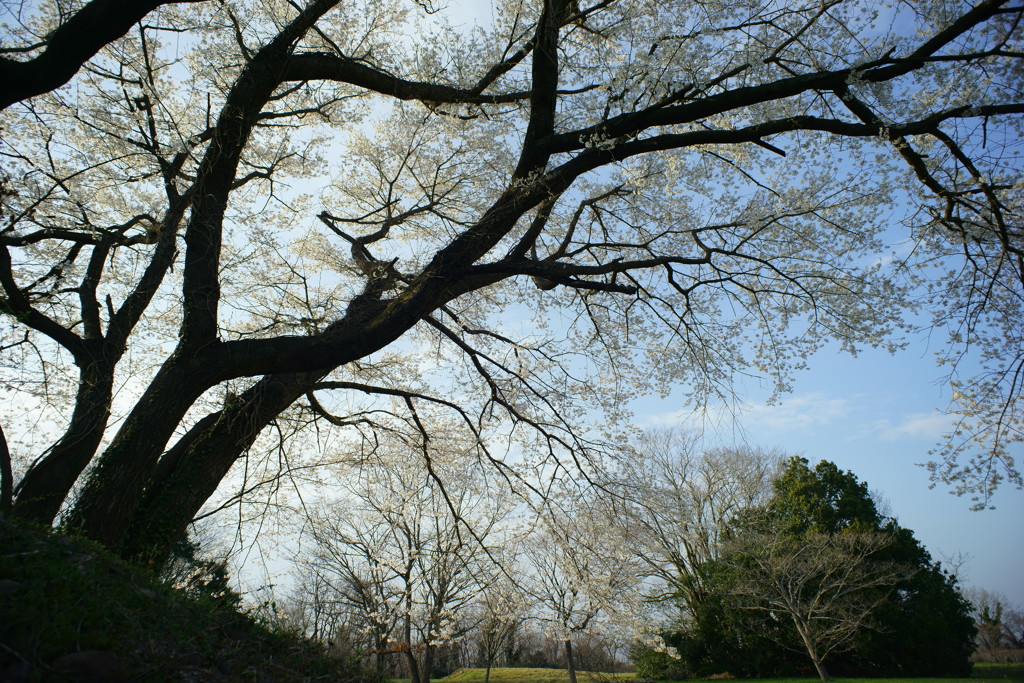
(878, 415)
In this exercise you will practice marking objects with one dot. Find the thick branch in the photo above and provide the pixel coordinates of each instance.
(217, 171)
(543, 94)
(71, 45)
(883, 69)
(15, 303)
(329, 67)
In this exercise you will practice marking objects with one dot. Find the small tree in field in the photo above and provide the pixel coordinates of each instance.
(827, 585)
(503, 611)
(817, 569)
(582, 571)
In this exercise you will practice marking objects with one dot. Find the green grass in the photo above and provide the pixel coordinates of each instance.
(503, 675)
(60, 596)
(987, 671)
(983, 673)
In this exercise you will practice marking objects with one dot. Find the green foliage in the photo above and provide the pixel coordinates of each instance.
(203, 577)
(63, 595)
(824, 499)
(924, 628)
(717, 638)
(658, 665)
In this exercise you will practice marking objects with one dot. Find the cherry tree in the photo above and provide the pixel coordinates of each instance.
(686, 499)
(582, 571)
(361, 218)
(503, 609)
(404, 558)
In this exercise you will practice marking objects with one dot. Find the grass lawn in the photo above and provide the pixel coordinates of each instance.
(524, 675)
(993, 673)
(997, 672)
(532, 675)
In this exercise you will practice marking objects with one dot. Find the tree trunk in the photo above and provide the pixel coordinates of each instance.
(6, 474)
(190, 472)
(821, 669)
(427, 668)
(414, 666)
(47, 483)
(410, 657)
(570, 662)
(812, 649)
(114, 489)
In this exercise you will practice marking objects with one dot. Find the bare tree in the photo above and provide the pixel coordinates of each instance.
(1000, 627)
(826, 585)
(314, 605)
(350, 586)
(405, 558)
(233, 213)
(687, 498)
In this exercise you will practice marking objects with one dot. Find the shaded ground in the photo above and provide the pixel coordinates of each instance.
(70, 611)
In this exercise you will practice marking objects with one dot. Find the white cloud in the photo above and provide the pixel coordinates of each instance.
(930, 426)
(854, 416)
(800, 412)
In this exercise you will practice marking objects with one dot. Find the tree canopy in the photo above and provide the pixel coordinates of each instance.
(820, 571)
(289, 228)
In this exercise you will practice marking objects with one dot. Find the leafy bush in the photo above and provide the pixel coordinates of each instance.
(657, 664)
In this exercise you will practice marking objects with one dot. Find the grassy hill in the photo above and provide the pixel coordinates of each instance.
(71, 611)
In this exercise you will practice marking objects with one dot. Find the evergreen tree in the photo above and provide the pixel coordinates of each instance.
(925, 627)
(922, 626)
